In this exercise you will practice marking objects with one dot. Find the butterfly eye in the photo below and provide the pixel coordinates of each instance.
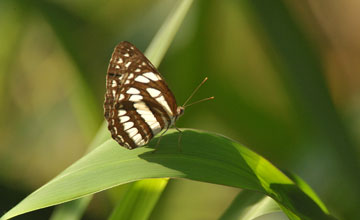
(180, 110)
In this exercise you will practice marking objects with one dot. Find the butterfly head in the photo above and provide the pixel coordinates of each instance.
(180, 111)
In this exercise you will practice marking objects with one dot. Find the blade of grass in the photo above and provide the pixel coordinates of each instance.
(205, 157)
(163, 38)
(72, 210)
(142, 195)
(249, 205)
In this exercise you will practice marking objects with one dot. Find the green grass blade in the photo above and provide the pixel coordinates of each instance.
(163, 38)
(72, 210)
(250, 205)
(205, 157)
(309, 191)
(142, 195)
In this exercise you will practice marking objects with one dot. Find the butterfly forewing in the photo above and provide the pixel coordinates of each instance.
(138, 103)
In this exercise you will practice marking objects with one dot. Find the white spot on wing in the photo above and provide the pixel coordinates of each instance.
(164, 103)
(121, 138)
(141, 105)
(127, 82)
(137, 70)
(132, 132)
(131, 76)
(120, 61)
(132, 91)
(135, 98)
(137, 138)
(113, 92)
(155, 127)
(142, 79)
(127, 64)
(124, 119)
(128, 125)
(114, 84)
(126, 55)
(151, 76)
(117, 67)
(153, 92)
(121, 112)
(121, 97)
(148, 117)
(141, 142)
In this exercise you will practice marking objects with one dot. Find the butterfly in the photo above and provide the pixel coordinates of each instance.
(138, 102)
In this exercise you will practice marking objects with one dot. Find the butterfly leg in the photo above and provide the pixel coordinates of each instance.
(158, 142)
(179, 140)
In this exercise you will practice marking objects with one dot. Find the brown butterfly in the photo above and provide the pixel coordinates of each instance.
(138, 102)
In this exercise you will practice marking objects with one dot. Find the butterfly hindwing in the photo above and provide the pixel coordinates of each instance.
(138, 103)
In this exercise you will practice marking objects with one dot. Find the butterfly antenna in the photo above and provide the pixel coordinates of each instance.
(212, 97)
(197, 88)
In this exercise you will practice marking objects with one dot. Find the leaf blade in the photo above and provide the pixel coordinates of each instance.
(142, 195)
(204, 157)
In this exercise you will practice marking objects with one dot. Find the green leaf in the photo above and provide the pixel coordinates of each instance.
(204, 157)
(163, 38)
(305, 187)
(250, 205)
(142, 195)
(71, 210)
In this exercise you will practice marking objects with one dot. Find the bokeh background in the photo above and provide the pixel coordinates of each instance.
(285, 76)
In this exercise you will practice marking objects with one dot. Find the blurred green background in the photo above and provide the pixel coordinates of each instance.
(285, 76)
